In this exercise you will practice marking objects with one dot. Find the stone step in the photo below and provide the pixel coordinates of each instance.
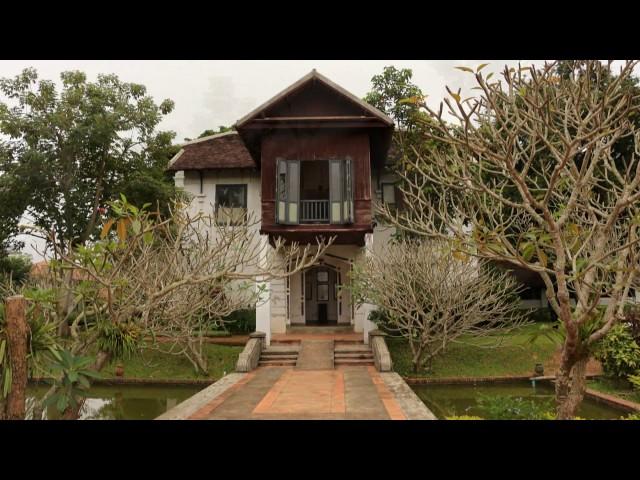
(353, 361)
(354, 349)
(279, 363)
(281, 348)
(341, 355)
(279, 356)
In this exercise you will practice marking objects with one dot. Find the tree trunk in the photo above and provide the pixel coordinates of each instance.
(570, 386)
(17, 330)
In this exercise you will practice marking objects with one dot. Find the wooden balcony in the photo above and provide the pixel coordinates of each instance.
(314, 211)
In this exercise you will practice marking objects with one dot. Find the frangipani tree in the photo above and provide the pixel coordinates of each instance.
(533, 177)
(432, 296)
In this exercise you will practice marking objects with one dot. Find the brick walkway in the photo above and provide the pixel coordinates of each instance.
(288, 393)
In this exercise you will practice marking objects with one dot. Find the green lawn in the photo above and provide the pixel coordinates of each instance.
(513, 356)
(152, 364)
(619, 388)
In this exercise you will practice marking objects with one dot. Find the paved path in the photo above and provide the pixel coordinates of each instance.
(286, 393)
(315, 355)
(312, 390)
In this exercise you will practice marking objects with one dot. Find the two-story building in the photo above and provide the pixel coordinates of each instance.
(309, 162)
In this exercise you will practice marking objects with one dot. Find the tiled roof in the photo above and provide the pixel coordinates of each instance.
(224, 150)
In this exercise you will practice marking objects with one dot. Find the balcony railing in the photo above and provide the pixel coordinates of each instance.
(314, 211)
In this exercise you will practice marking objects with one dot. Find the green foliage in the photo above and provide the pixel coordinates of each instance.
(618, 352)
(631, 416)
(72, 379)
(15, 267)
(72, 150)
(464, 417)
(394, 94)
(635, 380)
(515, 408)
(241, 321)
(121, 340)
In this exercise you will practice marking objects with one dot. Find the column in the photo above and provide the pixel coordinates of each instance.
(367, 325)
(263, 306)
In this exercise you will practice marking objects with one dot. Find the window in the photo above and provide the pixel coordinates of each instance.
(340, 206)
(231, 204)
(389, 193)
(323, 292)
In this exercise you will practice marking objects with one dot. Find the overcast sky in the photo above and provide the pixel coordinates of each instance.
(210, 93)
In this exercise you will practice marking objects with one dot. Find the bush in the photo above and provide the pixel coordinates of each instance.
(618, 352)
(16, 267)
(515, 408)
(241, 321)
(464, 417)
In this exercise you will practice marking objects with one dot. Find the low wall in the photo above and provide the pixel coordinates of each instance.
(381, 355)
(250, 356)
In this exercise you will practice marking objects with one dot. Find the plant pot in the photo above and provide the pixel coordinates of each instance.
(119, 370)
(539, 369)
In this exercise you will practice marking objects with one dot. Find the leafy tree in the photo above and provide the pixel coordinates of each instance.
(71, 150)
(394, 94)
(209, 132)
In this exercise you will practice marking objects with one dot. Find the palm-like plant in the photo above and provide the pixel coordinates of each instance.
(72, 374)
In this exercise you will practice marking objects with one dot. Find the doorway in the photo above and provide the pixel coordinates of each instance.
(321, 296)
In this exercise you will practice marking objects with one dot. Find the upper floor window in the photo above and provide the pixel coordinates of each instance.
(231, 204)
(314, 191)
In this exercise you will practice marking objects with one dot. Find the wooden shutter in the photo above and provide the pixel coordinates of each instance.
(293, 194)
(347, 200)
(336, 188)
(287, 191)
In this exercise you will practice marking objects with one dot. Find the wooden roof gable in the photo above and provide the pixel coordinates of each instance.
(354, 108)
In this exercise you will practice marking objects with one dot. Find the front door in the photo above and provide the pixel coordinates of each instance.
(320, 296)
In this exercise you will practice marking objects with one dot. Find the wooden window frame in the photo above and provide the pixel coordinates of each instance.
(245, 200)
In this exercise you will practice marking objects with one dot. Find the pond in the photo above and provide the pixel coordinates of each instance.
(124, 402)
(454, 400)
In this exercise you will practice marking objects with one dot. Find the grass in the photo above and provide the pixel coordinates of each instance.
(476, 358)
(151, 364)
(155, 365)
(617, 387)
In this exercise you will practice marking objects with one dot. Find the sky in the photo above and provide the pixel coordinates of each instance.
(211, 93)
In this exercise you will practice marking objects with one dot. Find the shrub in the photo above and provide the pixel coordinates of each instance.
(618, 352)
(464, 417)
(241, 321)
(515, 408)
(16, 267)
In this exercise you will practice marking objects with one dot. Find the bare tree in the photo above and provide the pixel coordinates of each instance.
(167, 277)
(534, 176)
(432, 298)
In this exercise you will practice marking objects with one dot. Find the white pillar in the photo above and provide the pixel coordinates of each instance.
(367, 325)
(263, 306)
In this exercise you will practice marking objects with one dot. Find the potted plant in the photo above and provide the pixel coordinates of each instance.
(119, 369)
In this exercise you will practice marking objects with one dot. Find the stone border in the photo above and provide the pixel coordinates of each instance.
(250, 356)
(612, 400)
(412, 406)
(381, 355)
(467, 380)
(141, 381)
(190, 406)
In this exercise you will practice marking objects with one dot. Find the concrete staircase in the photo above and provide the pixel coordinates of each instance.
(352, 354)
(280, 355)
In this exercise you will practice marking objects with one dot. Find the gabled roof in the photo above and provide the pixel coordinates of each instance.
(223, 150)
(315, 76)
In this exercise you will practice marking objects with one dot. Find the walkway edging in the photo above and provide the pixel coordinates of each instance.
(186, 409)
